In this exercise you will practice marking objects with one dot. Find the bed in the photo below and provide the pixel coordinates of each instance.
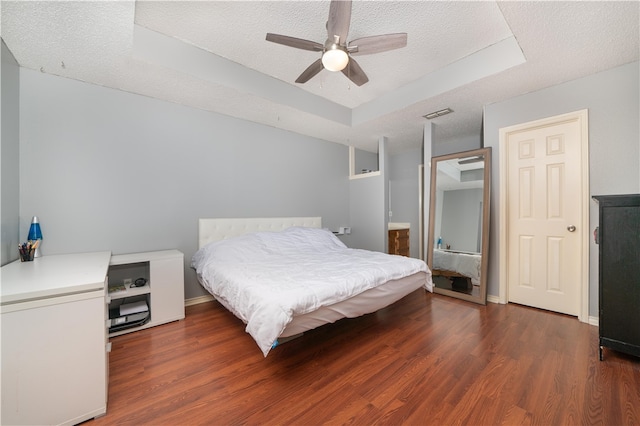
(451, 263)
(285, 276)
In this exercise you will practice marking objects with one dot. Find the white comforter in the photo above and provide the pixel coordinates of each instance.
(267, 278)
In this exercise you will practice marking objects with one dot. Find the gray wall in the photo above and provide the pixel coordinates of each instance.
(368, 204)
(428, 141)
(612, 98)
(110, 170)
(10, 149)
(365, 160)
(451, 146)
(404, 193)
(404, 176)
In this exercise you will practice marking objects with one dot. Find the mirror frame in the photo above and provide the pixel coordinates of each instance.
(486, 198)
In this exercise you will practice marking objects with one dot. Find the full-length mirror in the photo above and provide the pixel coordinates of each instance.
(458, 243)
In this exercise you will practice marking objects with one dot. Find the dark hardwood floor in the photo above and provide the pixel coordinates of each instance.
(428, 359)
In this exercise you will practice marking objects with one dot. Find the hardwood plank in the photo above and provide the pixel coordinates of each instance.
(427, 359)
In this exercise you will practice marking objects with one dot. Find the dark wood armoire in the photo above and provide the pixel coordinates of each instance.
(618, 238)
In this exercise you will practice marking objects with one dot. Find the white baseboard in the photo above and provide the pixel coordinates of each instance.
(199, 299)
(493, 299)
(595, 321)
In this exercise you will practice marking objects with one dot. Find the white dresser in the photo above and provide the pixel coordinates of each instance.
(54, 339)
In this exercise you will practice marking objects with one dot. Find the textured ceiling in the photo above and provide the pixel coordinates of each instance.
(213, 55)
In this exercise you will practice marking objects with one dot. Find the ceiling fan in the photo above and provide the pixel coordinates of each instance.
(336, 51)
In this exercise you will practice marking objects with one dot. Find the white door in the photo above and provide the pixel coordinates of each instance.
(546, 214)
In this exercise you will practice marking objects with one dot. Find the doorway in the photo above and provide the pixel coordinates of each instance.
(544, 214)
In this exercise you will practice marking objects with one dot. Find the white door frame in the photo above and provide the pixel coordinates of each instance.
(503, 248)
(421, 255)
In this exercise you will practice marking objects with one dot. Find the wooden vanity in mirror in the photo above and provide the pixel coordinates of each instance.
(458, 242)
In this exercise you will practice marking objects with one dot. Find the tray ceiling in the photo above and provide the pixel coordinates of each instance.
(213, 55)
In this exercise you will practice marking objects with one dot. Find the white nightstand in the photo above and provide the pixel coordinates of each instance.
(163, 291)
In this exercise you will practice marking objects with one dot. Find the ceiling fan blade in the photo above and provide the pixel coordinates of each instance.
(298, 43)
(377, 44)
(310, 72)
(354, 72)
(339, 20)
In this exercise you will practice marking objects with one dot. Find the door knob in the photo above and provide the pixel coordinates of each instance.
(571, 228)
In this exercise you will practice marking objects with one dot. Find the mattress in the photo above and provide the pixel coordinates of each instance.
(364, 303)
(282, 283)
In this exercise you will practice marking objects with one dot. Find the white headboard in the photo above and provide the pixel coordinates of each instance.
(216, 229)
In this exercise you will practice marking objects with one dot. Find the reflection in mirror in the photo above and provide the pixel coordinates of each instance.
(459, 224)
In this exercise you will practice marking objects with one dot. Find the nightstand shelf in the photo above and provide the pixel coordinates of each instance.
(130, 292)
(163, 291)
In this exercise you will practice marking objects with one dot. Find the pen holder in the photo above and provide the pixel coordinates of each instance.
(26, 255)
(28, 250)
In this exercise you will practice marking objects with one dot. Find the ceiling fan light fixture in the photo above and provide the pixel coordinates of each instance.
(335, 58)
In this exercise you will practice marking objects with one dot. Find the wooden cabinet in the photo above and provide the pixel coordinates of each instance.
(54, 341)
(618, 237)
(399, 241)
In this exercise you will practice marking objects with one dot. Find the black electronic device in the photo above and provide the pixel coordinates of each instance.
(140, 282)
(128, 321)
